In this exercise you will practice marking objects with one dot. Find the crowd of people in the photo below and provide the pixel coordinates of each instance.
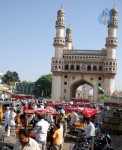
(16, 121)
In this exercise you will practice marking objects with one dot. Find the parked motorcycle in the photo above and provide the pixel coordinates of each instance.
(100, 143)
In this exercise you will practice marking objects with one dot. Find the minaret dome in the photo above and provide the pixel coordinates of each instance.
(69, 30)
(61, 11)
(114, 10)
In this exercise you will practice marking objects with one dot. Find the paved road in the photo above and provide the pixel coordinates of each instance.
(116, 140)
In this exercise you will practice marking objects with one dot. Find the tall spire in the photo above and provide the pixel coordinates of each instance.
(68, 38)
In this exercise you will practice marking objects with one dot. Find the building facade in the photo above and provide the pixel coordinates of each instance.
(72, 68)
(22, 88)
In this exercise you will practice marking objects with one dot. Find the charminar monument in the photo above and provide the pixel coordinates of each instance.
(72, 68)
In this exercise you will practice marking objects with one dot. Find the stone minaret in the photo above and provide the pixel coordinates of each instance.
(57, 60)
(111, 45)
(69, 38)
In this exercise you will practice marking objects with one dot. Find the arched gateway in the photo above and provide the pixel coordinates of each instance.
(72, 68)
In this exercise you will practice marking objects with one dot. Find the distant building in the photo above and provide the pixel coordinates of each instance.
(23, 88)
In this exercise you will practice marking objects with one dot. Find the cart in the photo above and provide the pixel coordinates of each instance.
(80, 127)
(40, 111)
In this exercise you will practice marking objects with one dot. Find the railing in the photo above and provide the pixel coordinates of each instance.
(99, 52)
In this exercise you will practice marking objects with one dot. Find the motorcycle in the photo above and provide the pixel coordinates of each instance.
(100, 143)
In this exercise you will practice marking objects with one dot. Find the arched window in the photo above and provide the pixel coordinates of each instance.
(94, 68)
(110, 63)
(66, 67)
(72, 67)
(77, 67)
(89, 68)
(83, 67)
(99, 78)
(99, 84)
(65, 83)
(100, 68)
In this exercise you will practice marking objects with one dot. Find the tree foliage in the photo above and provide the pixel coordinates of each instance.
(43, 86)
(10, 78)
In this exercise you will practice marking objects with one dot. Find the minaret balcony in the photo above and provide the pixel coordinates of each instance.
(113, 24)
(59, 41)
(60, 24)
(111, 41)
(68, 39)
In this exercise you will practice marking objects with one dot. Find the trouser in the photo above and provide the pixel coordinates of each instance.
(42, 145)
(12, 130)
(91, 139)
(56, 147)
(7, 130)
(61, 146)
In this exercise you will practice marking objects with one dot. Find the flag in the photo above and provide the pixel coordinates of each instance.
(100, 90)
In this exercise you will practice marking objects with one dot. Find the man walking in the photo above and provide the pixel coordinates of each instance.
(24, 142)
(63, 128)
(7, 117)
(41, 129)
(57, 137)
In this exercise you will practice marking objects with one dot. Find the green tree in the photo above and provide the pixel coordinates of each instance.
(43, 86)
(10, 78)
(25, 82)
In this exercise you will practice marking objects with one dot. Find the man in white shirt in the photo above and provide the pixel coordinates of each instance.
(24, 142)
(90, 132)
(41, 129)
(74, 118)
(7, 117)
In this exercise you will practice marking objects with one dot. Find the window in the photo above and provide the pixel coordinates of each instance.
(65, 83)
(65, 76)
(65, 90)
(77, 67)
(72, 67)
(94, 68)
(100, 68)
(89, 68)
(66, 67)
(99, 84)
(99, 78)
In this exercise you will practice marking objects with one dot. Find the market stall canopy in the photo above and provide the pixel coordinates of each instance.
(21, 96)
(88, 112)
(41, 111)
(82, 104)
(57, 104)
(70, 109)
